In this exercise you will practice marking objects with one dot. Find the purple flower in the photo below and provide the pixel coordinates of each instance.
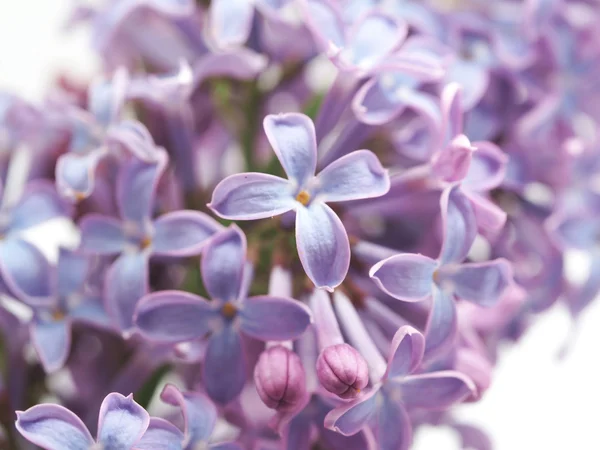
(75, 170)
(397, 387)
(121, 424)
(172, 316)
(397, 84)
(199, 420)
(23, 268)
(230, 22)
(411, 277)
(359, 48)
(340, 368)
(320, 235)
(137, 237)
(50, 328)
(279, 378)
(480, 167)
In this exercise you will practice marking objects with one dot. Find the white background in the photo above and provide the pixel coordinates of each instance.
(537, 401)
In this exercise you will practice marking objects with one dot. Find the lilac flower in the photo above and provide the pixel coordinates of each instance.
(193, 79)
(480, 167)
(397, 387)
(412, 277)
(279, 378)
(340, 368)
(137, 237)
(230, 21)
(50, 328)
(120, 33)
(199, 419)
(358, 48)
(172, 316)
(23, 268)
(301, 428)
(76, 169)
(396, 85)
(320, 235)
(121, 424)
(580, 231)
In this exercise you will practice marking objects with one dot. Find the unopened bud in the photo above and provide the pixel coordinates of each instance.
(342, 370)
(280, 379)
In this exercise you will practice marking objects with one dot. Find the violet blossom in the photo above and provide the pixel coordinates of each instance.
(345, 297)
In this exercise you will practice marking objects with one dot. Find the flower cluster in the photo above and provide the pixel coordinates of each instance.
(298, 222)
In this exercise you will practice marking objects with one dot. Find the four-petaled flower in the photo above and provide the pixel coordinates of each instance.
(321, 238)
(384, 406)
(50, 327)
(415, 277)
(173, 316)
(121, 424)
(138, 236)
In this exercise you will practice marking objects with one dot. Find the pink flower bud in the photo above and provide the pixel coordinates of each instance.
(342, 370)
(279, 378)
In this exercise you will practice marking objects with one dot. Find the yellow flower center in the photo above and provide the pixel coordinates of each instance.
(145, 242)
(57, 315)
(229, 310)
(303, 197)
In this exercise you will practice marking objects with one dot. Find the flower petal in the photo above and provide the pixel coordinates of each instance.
(182, 233)
(406, 276)
(296, 436)
(126, 282)
(274, 319)
(101, 235)
(40, 202)
(350, 418)
(481, 283)
(72, 272)
(75, 174)
(472, 77)
(459, 225)
(230, 21)
(224, 366)
(161, 435)
(393, 426)
(293, 139)
(133, 137)
(372, 39)
(452, 113)
(441, 325)
(406, 352)
(199, 413)
(323, 245)
(24, 269)
(249, 196)
(136, 188)
(226, 446)
(173, 316)
(53, 427)
(239, 64)
(487, 169)
(577, 231)
(355, 176)
(223, 263)
(121, 421)
(373, 103)
(437, 390)
(489, 216)
(451, 164)
(91, 311)
(325, 23)
(52, 341)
